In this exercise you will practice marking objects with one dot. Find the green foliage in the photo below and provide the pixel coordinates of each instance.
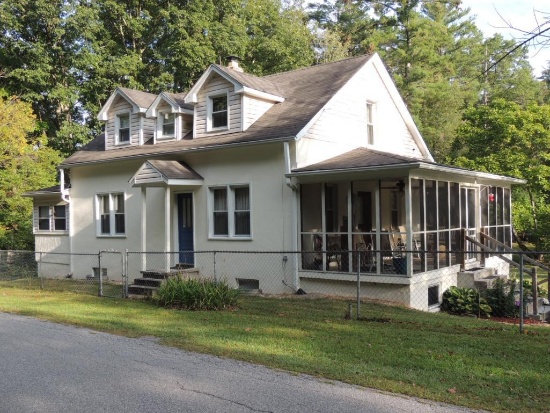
(196, 294)
(464, 301)
(26, 163)
(501, 299)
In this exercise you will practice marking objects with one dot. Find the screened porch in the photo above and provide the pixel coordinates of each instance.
(398, 226)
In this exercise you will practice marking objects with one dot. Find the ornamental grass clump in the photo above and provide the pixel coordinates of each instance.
(196, 294)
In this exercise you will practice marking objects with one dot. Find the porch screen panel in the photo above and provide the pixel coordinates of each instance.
(454, 204)
(484, 205)
(336, 219)
(431, 205)
(443, 204)
(221, 222)
(417, 195)
(242, 211)
(310, 207)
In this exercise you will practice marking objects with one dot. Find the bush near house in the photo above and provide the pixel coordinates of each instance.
(464, 301)
(196, 294)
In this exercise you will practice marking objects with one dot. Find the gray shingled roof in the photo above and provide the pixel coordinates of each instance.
(179, 98)
(305, 90)
(263, 84)
(174, 169)
(142, 99)
(359, 158)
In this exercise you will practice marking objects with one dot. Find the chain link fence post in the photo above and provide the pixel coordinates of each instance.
(100, 292)
(125, 275)
(521, 305)
(358, 285)
(215, 273)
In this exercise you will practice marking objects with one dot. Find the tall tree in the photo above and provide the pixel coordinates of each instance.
(507, 138)
(26, 163)
(37, 44)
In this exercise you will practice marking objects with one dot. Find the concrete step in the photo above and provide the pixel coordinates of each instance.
(143, 290)
(150, 282)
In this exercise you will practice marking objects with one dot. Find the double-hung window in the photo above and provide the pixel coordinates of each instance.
(110, 214)
(52, 218)
(218, 112)
(167, 126)
(370, 123)
(230, 211)
(123, 128)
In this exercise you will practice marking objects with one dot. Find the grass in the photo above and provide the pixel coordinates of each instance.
(464, 361)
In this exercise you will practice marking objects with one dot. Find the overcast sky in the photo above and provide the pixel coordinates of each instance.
(522, 14)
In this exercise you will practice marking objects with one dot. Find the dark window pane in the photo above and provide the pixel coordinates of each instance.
(433, 295)
(105, 224)
(242, 223)
(119, 224)
(60, 221)
(44, 218)
(219, 112)
(221, 223)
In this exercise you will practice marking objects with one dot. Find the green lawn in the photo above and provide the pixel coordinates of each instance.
(464, 361)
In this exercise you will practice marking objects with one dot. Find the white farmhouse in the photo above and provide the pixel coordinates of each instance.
(324, 160)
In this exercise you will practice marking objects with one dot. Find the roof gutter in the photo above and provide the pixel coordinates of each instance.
(358, 169)
(172, 152)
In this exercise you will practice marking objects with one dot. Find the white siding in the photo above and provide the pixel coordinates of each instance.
(141, 128)
(217, 85)
(253, 110)
(342, 124)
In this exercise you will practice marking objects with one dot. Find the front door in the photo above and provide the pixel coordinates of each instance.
(185, 228)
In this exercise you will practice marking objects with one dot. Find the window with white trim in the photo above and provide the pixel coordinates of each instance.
(370, 123)
(110, 214)
(218, 112)
(123, 128)
(167, 123)
(52, 218)
(230, 211)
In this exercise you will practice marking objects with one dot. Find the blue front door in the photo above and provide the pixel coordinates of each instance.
(185, 228)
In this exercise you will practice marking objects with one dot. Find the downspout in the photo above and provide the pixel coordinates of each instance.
(64, 192)
(294, 223)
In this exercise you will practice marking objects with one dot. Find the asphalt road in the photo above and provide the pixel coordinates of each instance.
(47, 367)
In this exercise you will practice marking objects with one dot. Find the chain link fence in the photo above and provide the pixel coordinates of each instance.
(513, 285)
(100, 274)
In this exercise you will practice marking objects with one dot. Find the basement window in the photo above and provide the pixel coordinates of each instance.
(433, 295)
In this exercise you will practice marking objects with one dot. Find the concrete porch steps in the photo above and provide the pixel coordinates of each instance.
(478, 278)
(151, 280)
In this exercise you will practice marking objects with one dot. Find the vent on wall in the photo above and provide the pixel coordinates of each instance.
(248, 284)
(96, 272)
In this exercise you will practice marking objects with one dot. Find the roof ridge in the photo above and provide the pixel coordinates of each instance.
(319, 65)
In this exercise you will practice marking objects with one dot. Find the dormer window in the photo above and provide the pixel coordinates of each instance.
(167, 123)
(123, 128)
(218, 112)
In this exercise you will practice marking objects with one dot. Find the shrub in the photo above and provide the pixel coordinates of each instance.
(196, 294)
(464, 301)
(502, 299)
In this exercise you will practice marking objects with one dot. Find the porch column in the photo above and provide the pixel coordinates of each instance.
(408, 227)
(143, 228)
(167, 221)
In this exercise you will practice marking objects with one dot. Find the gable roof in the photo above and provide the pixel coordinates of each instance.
(160, 173)
(139, 100)
(175, 100)
(306, 91)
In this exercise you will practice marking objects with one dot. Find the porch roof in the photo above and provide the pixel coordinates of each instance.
(365, 159)
(45, 192)
(156, 172)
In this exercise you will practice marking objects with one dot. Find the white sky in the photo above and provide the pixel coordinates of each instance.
(522, 14)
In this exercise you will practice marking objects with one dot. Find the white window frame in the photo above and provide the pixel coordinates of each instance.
(370, 119)
(111, 214)
(210, 112)
(51, 219)
(118, 115)
(231, 211)
(160, 125)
